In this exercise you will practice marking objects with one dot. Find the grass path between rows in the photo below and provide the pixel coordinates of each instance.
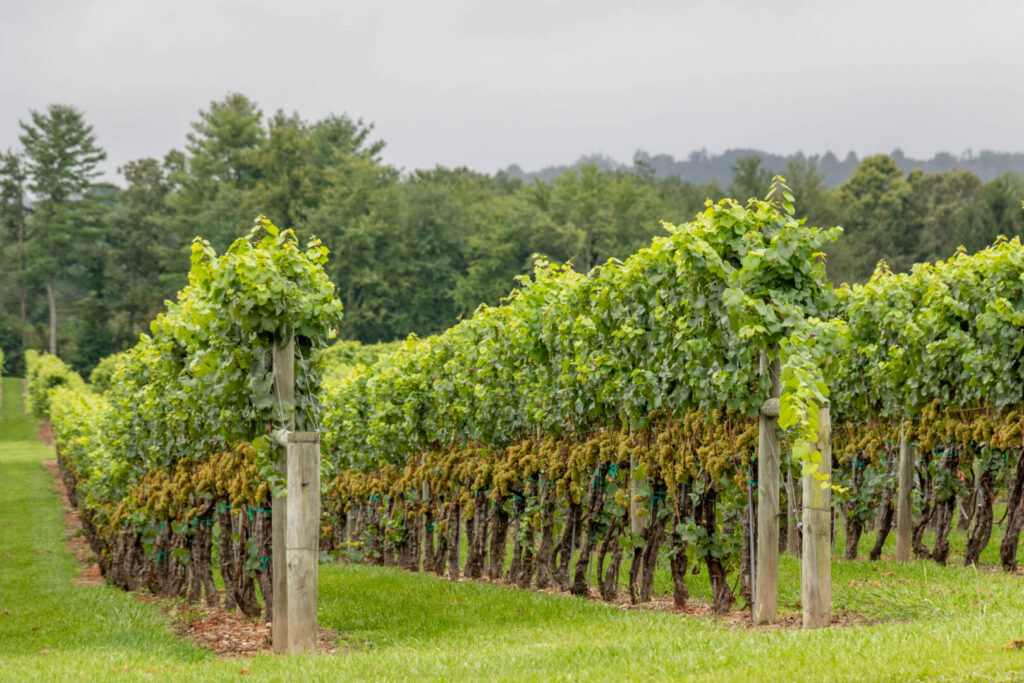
(397, 625)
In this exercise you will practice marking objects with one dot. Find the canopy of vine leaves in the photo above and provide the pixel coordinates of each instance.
(676, 326)
(950, 331)
(202, 382)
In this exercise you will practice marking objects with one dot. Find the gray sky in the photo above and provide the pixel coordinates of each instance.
(486, 84)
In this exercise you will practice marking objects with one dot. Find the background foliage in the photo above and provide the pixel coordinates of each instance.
(411, 251)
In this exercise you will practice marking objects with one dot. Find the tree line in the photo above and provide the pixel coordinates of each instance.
(88, 263)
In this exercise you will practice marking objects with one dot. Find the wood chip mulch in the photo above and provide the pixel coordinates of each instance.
(228, 633)
(698, 609)
(45, 434)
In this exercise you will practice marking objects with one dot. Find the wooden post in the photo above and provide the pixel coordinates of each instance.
(815, 582)
(302, 539)
(766, 586)
(904, 507)
(816, 575)
(284, 395)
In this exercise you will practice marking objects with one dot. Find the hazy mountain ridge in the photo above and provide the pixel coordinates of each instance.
(700, 167)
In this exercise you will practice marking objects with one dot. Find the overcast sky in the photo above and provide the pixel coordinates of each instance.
(487, 84)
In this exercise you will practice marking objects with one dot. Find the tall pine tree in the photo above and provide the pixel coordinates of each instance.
(61, 157)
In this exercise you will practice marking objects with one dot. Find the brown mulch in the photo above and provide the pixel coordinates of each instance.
(699, 609)
(45, 434)
(228, 633)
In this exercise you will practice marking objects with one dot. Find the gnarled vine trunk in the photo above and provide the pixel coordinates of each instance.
(886, 509)
(680, 593)
(595, 502)
(563, 549)
(608, 576)
(981, 533)
(1014, 517)
(225, 552)
(499, 541)
(476, 535)
(242, 586)
(528, 554)
(547, 533)
(265, 546)
(722, 597)
(927, 513)
(454, 523)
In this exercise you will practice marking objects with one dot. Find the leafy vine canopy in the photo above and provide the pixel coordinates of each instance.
(677, 326)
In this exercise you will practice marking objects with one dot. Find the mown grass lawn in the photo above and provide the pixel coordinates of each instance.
(934, 623)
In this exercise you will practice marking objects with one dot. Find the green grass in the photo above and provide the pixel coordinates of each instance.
(14, 425)
(934, 623)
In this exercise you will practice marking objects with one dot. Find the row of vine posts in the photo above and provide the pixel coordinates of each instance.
(816, 568)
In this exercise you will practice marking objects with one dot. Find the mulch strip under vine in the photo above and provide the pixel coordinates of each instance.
(697, 608)
(45, 436)
(229, 634)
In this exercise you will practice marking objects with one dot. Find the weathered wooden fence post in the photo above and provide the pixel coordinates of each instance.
(296, 521)
(766, 584)
(816, 565)
(904, 507)
(302, 539)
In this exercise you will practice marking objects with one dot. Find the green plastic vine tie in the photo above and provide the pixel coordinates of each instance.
(660, 495)
(257, 509)
(264, 564)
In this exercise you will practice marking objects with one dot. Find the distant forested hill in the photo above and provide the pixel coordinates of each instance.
(700, 167)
